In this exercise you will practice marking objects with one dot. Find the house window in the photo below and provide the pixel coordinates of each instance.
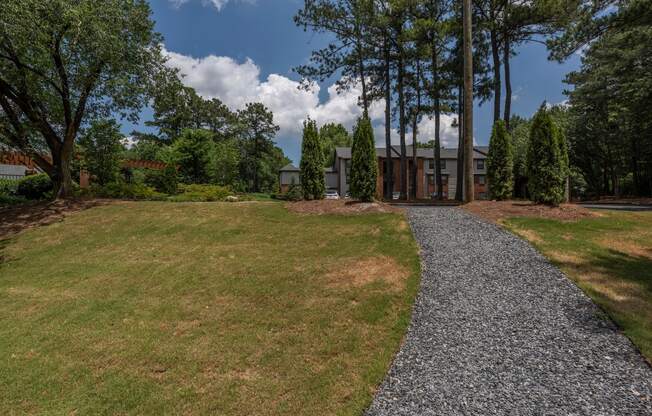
(347, 169)
(444, 179)
(480, 163)
(480, 179)
(431, 164)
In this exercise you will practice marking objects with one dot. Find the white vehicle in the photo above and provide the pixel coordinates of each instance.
(330, 194)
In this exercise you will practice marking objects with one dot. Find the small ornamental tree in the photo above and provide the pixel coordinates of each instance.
(547, 163)
(364, 167)
(500, 163)
(102, 150)
(312, 163)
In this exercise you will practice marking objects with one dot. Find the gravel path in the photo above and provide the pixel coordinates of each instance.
(497, 330)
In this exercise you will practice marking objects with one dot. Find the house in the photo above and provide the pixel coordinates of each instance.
(337, 176)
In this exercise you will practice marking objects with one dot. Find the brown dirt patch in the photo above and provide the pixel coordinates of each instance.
(530, 235)
(360, 272)
(495, 211)
(331, 206)
(18, 218)
(626, 247)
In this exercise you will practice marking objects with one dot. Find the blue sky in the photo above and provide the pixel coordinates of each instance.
(244, 50)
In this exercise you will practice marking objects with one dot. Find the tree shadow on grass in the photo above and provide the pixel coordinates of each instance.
(15, 219)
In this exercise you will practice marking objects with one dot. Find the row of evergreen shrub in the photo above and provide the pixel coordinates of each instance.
(547, 162)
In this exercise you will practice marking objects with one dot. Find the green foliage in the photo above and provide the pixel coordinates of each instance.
(123, 190)
(192, 154)
(520, 131)
(164, 181)
(35, 187)
(610, 128)
(102, 150)
(500, 163)
(8, 195)
(8, 186)
(224, 163)
(201, 193)
(75, 59)
(546, 165)
(364, 166)
(333, 135)
(146, 147)
(178, 108)
(260, 162)
(312, 163)
(294, 193)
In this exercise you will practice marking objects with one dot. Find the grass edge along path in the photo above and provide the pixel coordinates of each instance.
(609, 257)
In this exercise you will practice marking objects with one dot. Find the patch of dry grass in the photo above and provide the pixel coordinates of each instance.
(214, 308)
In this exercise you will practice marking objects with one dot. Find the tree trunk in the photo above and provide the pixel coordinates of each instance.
(413, 173)
(459, 186)
(468, 104)
(495, 52)
(401, 121)
(389, 172)
(508, 83)
(255, 164)
(437, 109)
(63, 183)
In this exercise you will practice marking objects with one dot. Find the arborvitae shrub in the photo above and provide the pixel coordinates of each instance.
(500, 163)
(312, 163)
(547, 160)
(364, 167)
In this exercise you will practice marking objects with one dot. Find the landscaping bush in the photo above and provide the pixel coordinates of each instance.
(35, 187)
(8, 192)
(547, 160)
(500, 163)
(165, 180)
(124, 190)
(201, 193)
(8, 187)
(364, 167)
(294, 193)
(312, 163)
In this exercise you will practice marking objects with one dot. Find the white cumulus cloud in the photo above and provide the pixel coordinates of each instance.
(218, 4)
(238, 83)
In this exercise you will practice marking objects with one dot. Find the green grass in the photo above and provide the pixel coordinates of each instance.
(213, 308)
(610, 258)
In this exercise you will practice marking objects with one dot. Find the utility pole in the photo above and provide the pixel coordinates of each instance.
(468, 103)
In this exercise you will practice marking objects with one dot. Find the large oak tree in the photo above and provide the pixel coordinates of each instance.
(64, 63)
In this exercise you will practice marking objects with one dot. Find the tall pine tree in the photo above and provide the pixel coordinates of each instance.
(364, 167)
(500, 163)
(312, 162)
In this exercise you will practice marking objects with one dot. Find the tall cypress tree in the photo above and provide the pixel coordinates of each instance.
(547, 163)
(312, 162)
(500, 163)
(364, 167)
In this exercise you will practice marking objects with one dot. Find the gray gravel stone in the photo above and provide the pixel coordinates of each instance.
(498, 330)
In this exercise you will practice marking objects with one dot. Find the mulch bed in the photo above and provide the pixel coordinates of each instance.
(15, 219)
(495, 211)
(334, 206)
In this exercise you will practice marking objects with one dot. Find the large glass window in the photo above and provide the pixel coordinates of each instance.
(480, 163)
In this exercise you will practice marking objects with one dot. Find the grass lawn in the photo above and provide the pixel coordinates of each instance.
(202, 308)
(609, 257)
